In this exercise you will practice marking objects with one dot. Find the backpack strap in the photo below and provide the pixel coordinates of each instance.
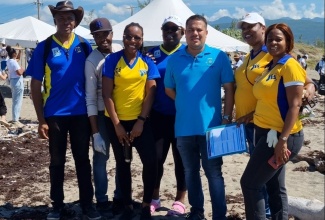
(83, 45)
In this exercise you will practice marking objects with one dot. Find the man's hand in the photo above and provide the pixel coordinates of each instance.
(99, 143)
(43, 131)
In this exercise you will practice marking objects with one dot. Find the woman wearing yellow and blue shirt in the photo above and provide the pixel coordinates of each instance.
(278, 92)
(128, 93)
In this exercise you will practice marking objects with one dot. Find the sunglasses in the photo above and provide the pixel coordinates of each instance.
(101, 34)
(129, 38)
(172, 28)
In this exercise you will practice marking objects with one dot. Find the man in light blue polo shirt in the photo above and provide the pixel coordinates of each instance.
(193, 78)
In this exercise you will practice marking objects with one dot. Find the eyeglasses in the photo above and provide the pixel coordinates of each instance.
(129, 38)
(172, 28)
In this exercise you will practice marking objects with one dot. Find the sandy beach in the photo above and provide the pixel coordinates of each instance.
(302, 179)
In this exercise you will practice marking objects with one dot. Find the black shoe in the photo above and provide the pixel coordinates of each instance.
(104, 209)
(117, 206)
(145, 214)
(195, 216)
(127, 214)
(56, 212)
(91, 213)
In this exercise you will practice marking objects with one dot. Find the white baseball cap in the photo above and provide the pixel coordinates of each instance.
(251, 18)
(174, 19)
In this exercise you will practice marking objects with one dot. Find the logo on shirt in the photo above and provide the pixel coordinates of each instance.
(77, 49)
(117, 71)
(56, 52)
(142, 72)
(255, 66)
(272, 76)
(157, 53)
(209, 61)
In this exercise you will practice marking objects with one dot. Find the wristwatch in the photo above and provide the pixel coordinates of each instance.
(226, 117)
(284, 138)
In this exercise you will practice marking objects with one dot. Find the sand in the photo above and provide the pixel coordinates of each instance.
(302, 180)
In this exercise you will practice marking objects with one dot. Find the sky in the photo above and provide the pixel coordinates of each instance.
(118, 10)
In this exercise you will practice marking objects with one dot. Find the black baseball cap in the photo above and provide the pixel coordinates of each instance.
(100, 24)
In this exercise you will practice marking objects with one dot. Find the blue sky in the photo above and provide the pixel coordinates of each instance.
(118, 10)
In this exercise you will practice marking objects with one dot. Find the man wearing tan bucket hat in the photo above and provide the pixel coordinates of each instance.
(59, 63)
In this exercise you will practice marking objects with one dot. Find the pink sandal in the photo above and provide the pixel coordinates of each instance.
(177, 209)
(154, 206)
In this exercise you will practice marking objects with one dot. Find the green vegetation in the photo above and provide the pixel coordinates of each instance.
(141, 5)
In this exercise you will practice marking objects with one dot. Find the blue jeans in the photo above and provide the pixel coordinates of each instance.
(249, 129)
(78, 128)
(193, 149)
(17, 90)
(259, 173)
(99, 165)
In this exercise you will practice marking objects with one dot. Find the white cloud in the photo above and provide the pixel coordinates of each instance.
(115, 10)
(274, 10)
(219, 14)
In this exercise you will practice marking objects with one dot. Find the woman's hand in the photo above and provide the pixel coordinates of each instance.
(245, 119)
(122, 135)
(136, 130)
(281, 152)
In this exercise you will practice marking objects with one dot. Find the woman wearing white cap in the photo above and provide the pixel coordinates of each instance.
(253, 32)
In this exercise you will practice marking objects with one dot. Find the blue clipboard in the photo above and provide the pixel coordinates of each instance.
(226, 140)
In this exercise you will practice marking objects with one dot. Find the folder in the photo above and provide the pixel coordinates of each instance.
(226, 140)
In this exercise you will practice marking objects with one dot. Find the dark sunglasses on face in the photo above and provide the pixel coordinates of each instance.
(172, 28)
(102, 35)
(129, 38)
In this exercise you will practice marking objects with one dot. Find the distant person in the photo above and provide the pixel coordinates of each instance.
(320, 68)
(162, 116)
(278, 92)
(61, 106)
(3, 107)
(193, 78)
(238, 61)
(128, 92)
(15, 74)
(102, 31)
(303, 62)
(28, 54)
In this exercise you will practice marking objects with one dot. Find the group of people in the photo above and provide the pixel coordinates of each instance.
(169, 97)
(12, 72)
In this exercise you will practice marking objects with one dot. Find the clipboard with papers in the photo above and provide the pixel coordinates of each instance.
(226, 140)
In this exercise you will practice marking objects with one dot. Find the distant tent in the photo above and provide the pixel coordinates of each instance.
(152, 16)
(28, 31)
(25, 32)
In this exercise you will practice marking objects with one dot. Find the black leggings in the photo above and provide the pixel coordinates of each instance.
(163, 129)
(3, 107)
(146, 149)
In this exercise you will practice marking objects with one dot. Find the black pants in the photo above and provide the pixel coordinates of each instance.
(145, 146)
(78, 128)
(163, 129)
(3, 107)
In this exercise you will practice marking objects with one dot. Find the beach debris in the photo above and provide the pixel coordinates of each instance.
(305, 209)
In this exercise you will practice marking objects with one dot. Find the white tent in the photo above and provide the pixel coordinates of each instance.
(28, 31)
(25, 32)
(152, 16)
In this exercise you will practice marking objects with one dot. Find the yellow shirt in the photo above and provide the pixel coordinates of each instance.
(269, 90)
(245, 76)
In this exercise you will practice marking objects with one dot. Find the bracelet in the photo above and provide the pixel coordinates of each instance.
(141, 118)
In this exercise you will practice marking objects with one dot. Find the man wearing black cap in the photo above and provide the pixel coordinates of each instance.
(61, 107)
(101, 29)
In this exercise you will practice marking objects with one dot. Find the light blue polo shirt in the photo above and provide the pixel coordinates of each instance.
(197, 81)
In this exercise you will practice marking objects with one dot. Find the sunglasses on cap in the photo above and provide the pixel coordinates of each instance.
(172, 28)
(129, 38)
